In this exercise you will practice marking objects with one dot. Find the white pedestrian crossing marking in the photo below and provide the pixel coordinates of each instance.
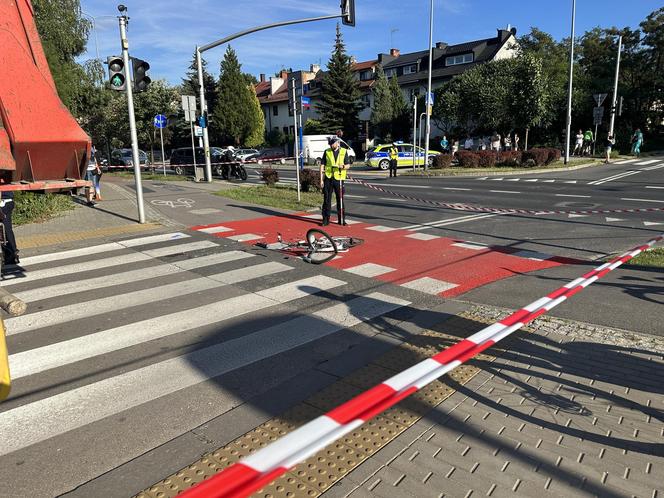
(471, 246)
(429, 285)
(381, 228)
(370, 270)
(43, 419)
(422, 236)
(172, 250)
(205, 211)
(219, 229)
(245, 237)
(611, 220)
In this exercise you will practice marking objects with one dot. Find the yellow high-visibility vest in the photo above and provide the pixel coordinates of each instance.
(333, 167)
(394, 153)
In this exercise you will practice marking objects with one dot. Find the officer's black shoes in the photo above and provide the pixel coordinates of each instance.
(325, 223)
(342, 223)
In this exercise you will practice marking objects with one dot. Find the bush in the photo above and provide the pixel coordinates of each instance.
(310, 180)
(468, 159)
(535, 157)
(488, 158)
(509, 158)
(269, 176)
(32, 207)
(553, 155)
(441, 161)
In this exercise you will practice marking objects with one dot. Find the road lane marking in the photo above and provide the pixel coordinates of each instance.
(450, 221)
(369, 270)
(504, 191)
(649, 186)
(471, 246)
(456, 188)
(651, 168)
(213, 230)
(614, 177)
(245, 237)
(381, 228)
(573, 195)
(626, 161)
(640, 200)
(646, 163)
(49, 417)
(423, 236)
(399, 185)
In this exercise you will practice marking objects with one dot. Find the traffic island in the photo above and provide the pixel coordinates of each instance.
(277, 196)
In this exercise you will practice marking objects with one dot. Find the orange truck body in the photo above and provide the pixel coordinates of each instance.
(42, 147)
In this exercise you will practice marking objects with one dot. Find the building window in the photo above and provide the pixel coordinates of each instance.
(275, 110)
(458, 59)
(390, 72)
(366, 75)
(410, 69)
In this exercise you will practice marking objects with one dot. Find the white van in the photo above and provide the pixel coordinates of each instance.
(314, 146)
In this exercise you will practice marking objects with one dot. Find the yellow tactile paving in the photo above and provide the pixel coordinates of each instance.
(59, 238)
(313, 477)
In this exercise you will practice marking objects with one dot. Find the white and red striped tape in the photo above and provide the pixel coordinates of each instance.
(482, 209)
(257, 470)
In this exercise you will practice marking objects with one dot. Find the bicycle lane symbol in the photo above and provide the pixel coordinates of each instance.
(182, 202)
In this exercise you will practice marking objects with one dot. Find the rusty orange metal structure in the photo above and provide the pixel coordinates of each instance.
(42, 147)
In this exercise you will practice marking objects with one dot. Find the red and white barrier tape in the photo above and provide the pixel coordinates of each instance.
(480, 209)
(257, 470)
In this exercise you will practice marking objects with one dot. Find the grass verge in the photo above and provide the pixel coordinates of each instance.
(498, 169)
(35, 208)
(653, 258)
(278, 197)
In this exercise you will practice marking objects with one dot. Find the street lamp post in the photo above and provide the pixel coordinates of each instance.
(614, 103)
(427, 102)
(569, 90)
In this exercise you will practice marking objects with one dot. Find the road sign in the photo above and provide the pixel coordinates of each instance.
(430, 99)
(599, 98)
(198, 131)
(189, 107)
(160, 121)
(306, 103)
(598, 114)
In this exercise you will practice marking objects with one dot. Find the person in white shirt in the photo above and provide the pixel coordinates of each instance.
(468, 144)
(578, 149)
(495, 141)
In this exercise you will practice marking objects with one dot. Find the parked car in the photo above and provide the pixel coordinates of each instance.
(379, 157)
(268, 156)
(314, 146)
(243, 154)
(123, 158)
(182, 160)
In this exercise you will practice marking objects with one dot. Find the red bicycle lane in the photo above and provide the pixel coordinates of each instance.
(429, 263)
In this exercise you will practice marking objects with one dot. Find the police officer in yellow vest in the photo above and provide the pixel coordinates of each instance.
(394, 158)
(334, 165)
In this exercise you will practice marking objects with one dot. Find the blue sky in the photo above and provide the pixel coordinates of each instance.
(165, 32)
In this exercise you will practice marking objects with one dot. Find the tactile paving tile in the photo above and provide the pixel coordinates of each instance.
(318, 473)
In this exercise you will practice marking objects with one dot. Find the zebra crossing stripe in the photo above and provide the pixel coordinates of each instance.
(111, 246)
(171, 250)
(67, 352)
(49, 417)
(128, 277)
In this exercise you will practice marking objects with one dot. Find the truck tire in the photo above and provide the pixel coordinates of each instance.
(384, 164)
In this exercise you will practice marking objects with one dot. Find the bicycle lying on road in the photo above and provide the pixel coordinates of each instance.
(317, 248)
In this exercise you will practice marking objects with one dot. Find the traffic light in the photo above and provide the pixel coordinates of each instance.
(116, 73)
(348, 12)
(140, 76)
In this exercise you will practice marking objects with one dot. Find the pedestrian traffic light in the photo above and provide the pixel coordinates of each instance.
(140, 76)
(116, 73)
(348, 12)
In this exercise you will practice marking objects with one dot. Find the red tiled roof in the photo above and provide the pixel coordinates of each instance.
(359, 66)
(280, 95)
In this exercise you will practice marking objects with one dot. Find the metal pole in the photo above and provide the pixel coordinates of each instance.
(300, 164)
(595, 141)
(415, 151)
(193, 148)
(132, 119)
(428, 134)
(614, 104)
(296, 146)
(569, 91)
(163, 156)
(419, 144)
(206, 139)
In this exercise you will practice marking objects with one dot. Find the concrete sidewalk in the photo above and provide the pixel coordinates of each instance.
(569, 409)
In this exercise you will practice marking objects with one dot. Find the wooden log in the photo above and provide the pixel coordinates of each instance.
(11, 304)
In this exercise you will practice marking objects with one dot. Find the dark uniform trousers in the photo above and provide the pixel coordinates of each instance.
(10, 251)
(393, 167)
(331, 185)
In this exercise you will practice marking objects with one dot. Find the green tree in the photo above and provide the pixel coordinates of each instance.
(64, 34)
(382, 110)
(275, 137)
(257, 126)
(340, 96)
(235, 112)
(400, 112)
(313, 127)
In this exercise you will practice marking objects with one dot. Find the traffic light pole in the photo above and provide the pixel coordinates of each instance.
(132, 119)
(296, 146)
(206, 138)
(428, 96)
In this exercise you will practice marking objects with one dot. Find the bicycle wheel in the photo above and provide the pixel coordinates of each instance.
(321, 247)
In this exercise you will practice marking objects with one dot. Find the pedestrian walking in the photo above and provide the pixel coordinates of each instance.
(92, 174)
(516, 141)
(468, 144)
(508, 142)
(578, 147)
(9, 249)
(588, 140)
(637, 142)
(608, 146)
(495, 141)
(333, 168)
(394, 159)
